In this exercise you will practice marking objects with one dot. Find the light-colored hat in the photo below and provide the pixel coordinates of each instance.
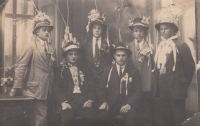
(41, 20)
(139, 22)
(94, 17)
(169, 15)
(69, 42)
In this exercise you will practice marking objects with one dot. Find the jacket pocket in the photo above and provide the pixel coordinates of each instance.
(32, 84)
(33, 87)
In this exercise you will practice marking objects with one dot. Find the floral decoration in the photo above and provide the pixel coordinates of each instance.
(68, 37)
(145, 20)
(94, 15)
(8, 81)
(81, 77)
(41, 17)
(145, 51)
(170, 14)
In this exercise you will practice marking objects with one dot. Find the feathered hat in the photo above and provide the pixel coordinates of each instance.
(69, 42)
(169, 15)
(139, 22)
(41, 20)
(94, 17)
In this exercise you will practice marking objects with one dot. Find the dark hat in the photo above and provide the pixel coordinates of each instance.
(139, 22)
(95, 17)
(41, 20)
(121, 46)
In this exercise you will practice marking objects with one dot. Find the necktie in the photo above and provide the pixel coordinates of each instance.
(96, 58)
(123, 83)
(120, 72)
(45, 50)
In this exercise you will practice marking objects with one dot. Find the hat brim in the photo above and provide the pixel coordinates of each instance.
(141, 26)
(104, 26)
(128, 51)
(78, 49)
(157, 26)
(43, 25)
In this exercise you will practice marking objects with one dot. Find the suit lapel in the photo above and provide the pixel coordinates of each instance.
(115, 76)
(41, 49)
(90, 51)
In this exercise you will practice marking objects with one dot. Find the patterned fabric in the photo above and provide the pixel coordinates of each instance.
(74, 72)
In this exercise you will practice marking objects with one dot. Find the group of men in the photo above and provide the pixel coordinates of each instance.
(106, 84)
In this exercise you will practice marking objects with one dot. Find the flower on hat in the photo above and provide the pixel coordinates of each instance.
(170, 14)
(130, 22)
(68, 37)
(41, 17)
(145, 20)
(94, 15)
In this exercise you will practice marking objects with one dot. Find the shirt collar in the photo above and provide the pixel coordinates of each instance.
(94, 39)
(41, 41)
(121, 66)
(142, 41)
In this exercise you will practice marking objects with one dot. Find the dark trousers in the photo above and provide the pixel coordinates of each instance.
(146, 109)
(107, 118)
(172, 111)
(87, 114)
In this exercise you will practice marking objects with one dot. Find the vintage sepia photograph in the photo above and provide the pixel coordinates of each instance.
(99, 62)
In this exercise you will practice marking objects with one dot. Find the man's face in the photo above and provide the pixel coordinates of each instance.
(96, 30)
(120, 57)
(138, 33)
(43, 33)
(166, 30)
(72, 56)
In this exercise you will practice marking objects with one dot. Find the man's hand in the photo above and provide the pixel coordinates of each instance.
(13, 92)
(66, 106)
(125, 109)
(87, 104)
(104, 106)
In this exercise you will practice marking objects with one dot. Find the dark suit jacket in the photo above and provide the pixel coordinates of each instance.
(64, 86)
(111, 94)
(179, 80)
(94, 72)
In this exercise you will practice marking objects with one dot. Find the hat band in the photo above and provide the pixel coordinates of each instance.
(121, 47)
(70, 47)
(138, 24)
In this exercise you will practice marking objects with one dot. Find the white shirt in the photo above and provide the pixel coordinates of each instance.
(122, 68)
(74, 72)
(139, 43)
(94, 43)
(43, 43)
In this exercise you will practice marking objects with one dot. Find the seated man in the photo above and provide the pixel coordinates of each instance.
(74, 97)
(119, 91)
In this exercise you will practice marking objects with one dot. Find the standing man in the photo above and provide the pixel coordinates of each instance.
(174, 68)
(142, 59)
(119, 91)
(74, 96)
(96, 48)
(34, 69)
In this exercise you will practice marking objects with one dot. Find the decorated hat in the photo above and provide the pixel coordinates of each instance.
(69, 42)
(169, 15)
(139, 22)
(94, 17)
(41, 20)
(121, 46)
